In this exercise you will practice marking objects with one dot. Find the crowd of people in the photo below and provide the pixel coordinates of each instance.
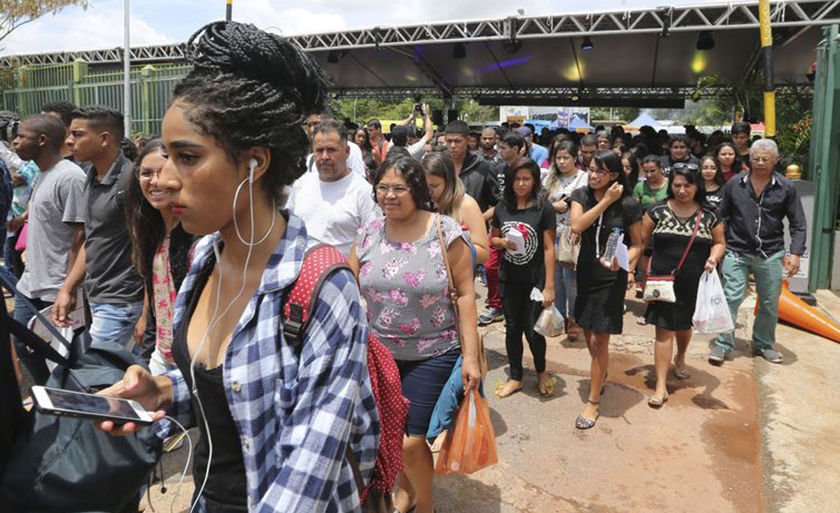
(184, 246)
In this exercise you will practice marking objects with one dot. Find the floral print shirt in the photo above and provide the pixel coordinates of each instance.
(406, 290)
(163, 300)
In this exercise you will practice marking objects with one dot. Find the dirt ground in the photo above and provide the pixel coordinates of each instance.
(745, 437)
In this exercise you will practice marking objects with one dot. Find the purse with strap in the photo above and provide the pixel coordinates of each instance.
(661, 288)
(453, 297)
(567, 252)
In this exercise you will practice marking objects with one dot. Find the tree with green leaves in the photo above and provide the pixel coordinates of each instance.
(16, 13)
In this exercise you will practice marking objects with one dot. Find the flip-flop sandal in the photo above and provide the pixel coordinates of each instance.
(546, 389)
(501, 394)
(658, 401)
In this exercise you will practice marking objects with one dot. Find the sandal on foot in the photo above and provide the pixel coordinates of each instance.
(583, 423)
(546, 388)
(656, 401)
(681, 374)
(503, 391)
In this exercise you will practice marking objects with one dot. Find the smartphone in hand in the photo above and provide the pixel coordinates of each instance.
(55, 401)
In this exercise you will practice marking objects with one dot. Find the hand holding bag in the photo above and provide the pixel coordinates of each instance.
(661, 288)
(711, 313)
(472, 444)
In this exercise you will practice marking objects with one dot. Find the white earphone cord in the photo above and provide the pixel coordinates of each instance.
(214, 320)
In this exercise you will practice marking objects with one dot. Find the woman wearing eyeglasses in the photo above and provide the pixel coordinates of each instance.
(161, 254)
(401, 267)
(598, 210)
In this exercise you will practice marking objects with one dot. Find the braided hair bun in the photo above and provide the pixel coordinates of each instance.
(251, 88)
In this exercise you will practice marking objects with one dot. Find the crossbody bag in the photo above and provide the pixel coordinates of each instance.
(661, 288)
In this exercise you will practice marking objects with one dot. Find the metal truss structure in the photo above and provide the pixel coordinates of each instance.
(685, 18)
(497, 96)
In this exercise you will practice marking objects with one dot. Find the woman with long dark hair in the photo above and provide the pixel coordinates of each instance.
(729, 160)
(524, 227)
(277, 413)
(604, 207)
(161, 251)
(563, 178)
(687, 237)
(631, 164)
(713, 180)
(401, 264)
(362, 139)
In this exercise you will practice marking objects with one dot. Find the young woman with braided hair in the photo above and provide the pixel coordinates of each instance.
(275, 418)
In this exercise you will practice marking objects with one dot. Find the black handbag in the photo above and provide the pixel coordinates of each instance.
(64, 464)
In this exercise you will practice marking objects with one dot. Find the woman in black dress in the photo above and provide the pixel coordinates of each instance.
(712, 180)
(671, 224)
(597, 210)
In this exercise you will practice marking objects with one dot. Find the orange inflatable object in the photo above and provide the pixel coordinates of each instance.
(795, 311)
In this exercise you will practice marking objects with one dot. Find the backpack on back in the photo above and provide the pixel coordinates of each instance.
(318, 264)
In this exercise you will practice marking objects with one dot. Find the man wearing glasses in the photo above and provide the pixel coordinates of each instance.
(754, 206)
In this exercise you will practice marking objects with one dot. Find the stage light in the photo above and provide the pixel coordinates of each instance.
(459, 51)
(334, 56)
(512, 45)
(706, 41)
(587, 44)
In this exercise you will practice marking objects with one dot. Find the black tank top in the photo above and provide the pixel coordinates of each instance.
(226, 488)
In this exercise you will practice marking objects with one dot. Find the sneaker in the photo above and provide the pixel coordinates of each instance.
(490, 316)
(717, 355)
(769, 354)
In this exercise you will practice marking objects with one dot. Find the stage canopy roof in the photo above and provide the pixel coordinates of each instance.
(638, 57)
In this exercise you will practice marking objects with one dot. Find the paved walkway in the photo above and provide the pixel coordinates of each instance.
(745, 437)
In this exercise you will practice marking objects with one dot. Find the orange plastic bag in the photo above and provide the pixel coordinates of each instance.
(471, 444)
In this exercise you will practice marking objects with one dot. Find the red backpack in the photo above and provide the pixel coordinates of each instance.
(318, 264)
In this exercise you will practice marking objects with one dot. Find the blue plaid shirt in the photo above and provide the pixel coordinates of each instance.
(295, 410)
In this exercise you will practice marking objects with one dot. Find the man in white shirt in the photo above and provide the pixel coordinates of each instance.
(334, 202)
(354, 156)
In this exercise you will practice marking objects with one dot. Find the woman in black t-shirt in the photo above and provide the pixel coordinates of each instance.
(597, 211)
(530, 264)
(712, 179)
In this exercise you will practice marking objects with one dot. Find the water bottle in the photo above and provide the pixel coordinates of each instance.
(612, 245)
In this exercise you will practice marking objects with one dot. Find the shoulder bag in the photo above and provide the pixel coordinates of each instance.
(567, 251)
(661, 288)
(453, 297)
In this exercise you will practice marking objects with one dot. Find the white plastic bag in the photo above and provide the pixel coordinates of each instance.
(550, 322)
(711, 313)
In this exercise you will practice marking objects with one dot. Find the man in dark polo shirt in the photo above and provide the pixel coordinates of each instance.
(113, 287)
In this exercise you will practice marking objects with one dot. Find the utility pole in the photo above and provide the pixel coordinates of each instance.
(229, 12)
(127, 71)
(769, 86)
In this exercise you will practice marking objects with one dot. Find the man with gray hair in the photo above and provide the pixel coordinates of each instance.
(754, 206)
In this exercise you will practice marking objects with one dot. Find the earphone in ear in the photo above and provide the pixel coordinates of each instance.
(252, 165)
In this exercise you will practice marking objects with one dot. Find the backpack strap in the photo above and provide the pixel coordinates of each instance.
(318, 264)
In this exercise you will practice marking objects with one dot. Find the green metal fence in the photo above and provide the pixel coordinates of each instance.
(151, 89)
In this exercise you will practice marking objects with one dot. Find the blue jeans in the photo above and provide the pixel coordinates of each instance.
(565, 287)
(34, 363)
(768, 274)
(114, 323)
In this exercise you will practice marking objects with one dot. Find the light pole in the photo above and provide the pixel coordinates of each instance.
(229, 11)
(127, 72)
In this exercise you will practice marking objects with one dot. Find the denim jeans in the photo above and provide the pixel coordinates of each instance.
(768, 274)
(565, 287)
(114, 323)
(34, 363)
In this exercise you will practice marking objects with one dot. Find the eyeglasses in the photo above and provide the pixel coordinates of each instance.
(761, 160)
(683, 165)
(147, 173)
(599, 172)
(398, 190)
